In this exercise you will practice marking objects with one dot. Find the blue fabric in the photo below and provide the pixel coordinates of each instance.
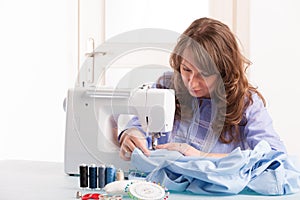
(261, 170)
(258, 126)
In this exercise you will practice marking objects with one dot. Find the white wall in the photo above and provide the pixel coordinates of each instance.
(275, 55)
(174, 15)
(123, 16)
(36, 70)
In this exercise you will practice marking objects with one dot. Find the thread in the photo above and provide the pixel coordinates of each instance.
(101, 176)
(110, 173)
(119, 175)
(93, 176)
(83, 173)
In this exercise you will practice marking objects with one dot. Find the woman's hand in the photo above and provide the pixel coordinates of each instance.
(130, 139)
(188, 150)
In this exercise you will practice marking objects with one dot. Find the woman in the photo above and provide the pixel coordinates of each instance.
(217, 109)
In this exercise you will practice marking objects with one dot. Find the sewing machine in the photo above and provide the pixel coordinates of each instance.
(94, 111)
(92, 116)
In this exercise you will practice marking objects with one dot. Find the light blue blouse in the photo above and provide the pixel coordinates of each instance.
(258, 126)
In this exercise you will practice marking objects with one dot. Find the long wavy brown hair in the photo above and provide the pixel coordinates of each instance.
(217, 52)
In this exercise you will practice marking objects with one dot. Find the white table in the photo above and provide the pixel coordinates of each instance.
(46, 180)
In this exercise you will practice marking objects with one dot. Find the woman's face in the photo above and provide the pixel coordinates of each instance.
(198, 83)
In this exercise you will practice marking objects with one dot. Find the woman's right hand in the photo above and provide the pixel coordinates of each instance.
(130, 139)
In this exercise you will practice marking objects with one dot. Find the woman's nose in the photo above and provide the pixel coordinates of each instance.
(195, 80)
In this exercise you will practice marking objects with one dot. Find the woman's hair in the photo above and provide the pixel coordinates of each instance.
(216, 52)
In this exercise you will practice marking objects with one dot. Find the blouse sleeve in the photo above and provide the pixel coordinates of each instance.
(260, 126)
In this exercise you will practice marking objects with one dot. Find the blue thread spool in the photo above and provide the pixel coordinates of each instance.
(110, 173)
(83, 173)
(93, 176)
(101, 176)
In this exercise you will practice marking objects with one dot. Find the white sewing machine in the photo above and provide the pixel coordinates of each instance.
(93, 111)
(91, 136)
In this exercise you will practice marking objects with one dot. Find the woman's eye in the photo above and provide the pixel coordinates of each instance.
(186, 69)
(204, 74)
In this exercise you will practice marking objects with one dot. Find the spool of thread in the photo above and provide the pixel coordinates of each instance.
(110, 174)
(119, 175)
(93, 176)
(83, 173)
(101, 176)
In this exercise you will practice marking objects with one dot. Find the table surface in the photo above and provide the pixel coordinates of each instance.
(47, 180)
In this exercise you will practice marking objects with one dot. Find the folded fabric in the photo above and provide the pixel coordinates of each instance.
(261, 170)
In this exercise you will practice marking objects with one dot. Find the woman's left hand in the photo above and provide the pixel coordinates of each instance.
(183, 148)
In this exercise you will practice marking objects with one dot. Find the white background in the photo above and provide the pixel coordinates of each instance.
(34, 64)
(275, 54)
(38, 65)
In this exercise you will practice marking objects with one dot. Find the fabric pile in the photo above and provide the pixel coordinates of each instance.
(261, 170)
